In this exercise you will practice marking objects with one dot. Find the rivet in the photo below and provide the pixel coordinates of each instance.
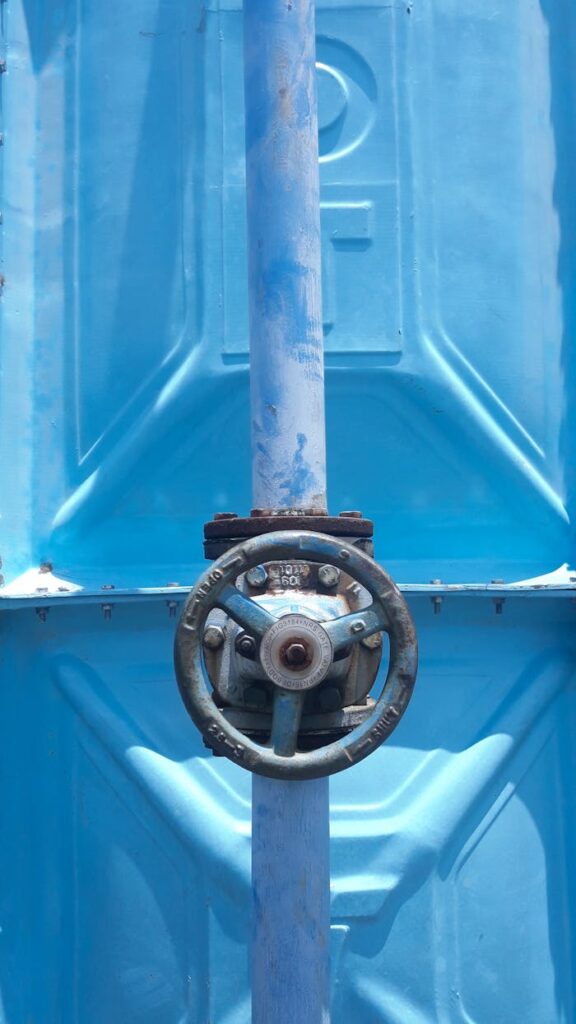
(436, 599)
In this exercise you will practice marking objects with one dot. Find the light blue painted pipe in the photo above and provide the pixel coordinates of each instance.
(291, 902)
(282, 183)
(290, 832)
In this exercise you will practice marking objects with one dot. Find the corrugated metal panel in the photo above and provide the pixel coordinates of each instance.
(447, 159)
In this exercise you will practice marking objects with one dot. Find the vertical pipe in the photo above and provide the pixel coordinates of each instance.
(284, 269)
(290, 820)
(291, 902)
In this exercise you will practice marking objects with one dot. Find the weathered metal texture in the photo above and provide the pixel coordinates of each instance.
(124, 385)
(231, 655)
(284, 273)
(388, 611)
(225, 531)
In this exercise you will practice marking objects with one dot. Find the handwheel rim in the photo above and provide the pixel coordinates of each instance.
(196, 690)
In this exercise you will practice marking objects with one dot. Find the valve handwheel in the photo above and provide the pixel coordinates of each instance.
(296, 653)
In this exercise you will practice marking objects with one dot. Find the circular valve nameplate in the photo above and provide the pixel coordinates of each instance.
(288, 633)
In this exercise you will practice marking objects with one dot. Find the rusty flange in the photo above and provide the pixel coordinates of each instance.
(227, 529)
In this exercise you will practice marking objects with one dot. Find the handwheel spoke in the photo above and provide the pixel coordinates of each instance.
(247, 613)
(351, 628)
(286, 722)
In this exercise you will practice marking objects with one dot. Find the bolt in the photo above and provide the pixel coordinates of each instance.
(245, 646)
(499, 605)
(437, 600)
(225, 515)
(372, 642)
(329, 699)
(497, 581)
(172, 584)
(256, 696)
(257, 576)
(108, 586)
(329, 575)
(42, 613)
(351, 515)
(358, 626)
(172, 606)
(295, 655)
(213, 637)
(107, 611)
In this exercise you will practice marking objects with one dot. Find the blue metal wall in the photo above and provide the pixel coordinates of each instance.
(449, 237)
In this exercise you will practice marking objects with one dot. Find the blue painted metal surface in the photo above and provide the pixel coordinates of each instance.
(448, 225)
(291, 900)
(290, 936)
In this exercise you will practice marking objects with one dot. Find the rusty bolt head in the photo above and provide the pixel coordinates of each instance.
(372, 642)
(295, 655)
(329, 575)
(225, 515)
(245, 646)
(351, 515)
(214, 637)
(257, 576)
(358, 626)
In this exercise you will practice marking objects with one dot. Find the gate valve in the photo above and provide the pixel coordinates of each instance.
(264, 704)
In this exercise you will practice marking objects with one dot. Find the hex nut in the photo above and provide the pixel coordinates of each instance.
(214, 637)
(329, 575)
(245, 646)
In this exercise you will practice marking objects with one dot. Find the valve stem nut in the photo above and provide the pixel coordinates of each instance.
(329, 575)
(214, 637)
